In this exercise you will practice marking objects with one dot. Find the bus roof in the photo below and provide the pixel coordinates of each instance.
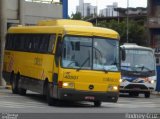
(66, 27)
(135, 46)
(62, 22)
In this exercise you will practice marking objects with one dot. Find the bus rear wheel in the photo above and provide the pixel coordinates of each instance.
(97, 103)
(14, 84)
(21, 90)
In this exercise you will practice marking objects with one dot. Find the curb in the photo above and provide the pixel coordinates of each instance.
(2, 87)
(156, 93)
(8, 87)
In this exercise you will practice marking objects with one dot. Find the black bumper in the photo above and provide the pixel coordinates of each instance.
(132, 90)
(69, 94)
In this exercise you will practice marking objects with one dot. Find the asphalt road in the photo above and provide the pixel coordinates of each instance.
(35, 103)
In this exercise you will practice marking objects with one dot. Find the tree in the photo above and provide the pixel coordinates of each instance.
(76, 16)
(136, 30)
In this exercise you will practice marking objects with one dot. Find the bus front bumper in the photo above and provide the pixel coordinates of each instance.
(74, 95)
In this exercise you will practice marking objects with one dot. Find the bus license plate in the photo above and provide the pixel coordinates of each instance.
(89, 98)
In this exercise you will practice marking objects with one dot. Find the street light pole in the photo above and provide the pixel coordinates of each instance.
(83, 9)
(127, 22)
(3, 29)
(21, 11)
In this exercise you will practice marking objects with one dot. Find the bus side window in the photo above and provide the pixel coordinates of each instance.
(52, 39)
(18, 42)
(35, 41)
(14, 37)
(43, 43)
(22, 42)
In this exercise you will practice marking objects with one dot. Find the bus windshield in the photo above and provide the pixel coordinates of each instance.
(90, 53)
(138, 60)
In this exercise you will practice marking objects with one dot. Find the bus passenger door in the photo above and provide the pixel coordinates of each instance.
(57, 52)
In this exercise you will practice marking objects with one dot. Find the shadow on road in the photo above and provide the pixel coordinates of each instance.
(128, 96)
(42, 99)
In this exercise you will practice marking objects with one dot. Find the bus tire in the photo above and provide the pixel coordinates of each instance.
(14, 84)
(147, 95)
(136, 94)
(97, 103)
(48, 96)
(131, 94)
(21, 91)
(45, 88)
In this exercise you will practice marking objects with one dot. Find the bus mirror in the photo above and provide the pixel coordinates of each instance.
(123, 54)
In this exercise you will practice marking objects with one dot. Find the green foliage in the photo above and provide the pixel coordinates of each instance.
(136, 30)
(76, 16)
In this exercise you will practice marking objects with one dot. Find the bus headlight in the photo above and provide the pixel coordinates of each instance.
(68, 85)
(65, 84)
(115, 88)
(112, 88)
(152, 81)
(120, 80)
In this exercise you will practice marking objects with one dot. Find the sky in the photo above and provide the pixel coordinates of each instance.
(103, 3)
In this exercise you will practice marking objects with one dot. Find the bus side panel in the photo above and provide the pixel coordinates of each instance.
(39, 69)
(7, 66)
(34, 68)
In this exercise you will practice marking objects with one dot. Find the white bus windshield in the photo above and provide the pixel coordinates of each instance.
(138, 60)
(90, 53)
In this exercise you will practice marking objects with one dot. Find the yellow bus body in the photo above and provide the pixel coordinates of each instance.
(37, 68)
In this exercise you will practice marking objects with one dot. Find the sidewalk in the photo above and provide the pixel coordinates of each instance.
(5, 87)
(156, 93)
(2, 87)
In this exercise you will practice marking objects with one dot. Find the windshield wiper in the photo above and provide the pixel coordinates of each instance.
(83, 64)
(127, 66)
(144, 67)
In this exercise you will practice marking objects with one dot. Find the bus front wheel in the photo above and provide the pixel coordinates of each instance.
(48, 96)
(147, 95)
(97, 103)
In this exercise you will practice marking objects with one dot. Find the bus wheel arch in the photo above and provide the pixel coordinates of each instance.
(14, 83)
(21, 90)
